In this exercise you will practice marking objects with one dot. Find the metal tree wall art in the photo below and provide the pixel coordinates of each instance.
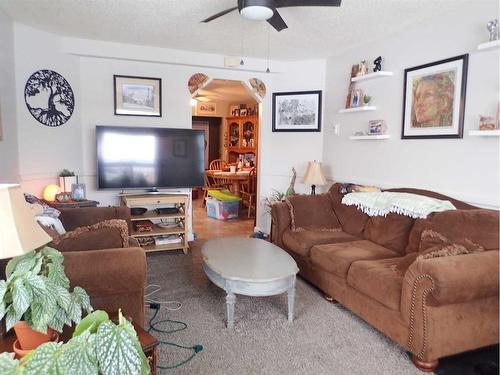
(49, 98)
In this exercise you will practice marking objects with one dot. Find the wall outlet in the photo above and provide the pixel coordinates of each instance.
(336, 129)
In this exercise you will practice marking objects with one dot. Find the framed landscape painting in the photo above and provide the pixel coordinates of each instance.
(137, 96)
(298, 111)
(434, 99)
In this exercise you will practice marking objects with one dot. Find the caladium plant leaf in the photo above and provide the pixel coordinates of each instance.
(46, 360)
(36, 283)
(91, 322)
(54, 255)
(79, 356)
(11, 317)
(63, 297)
(3, 288)
(8, 364)
(57, 276)
(83, 298)
(117, 351)
(21, 264)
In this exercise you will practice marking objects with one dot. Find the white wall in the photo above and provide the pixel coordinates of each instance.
(467, 168)
(9, 161)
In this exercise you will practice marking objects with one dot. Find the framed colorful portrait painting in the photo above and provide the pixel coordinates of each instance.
(434, 99)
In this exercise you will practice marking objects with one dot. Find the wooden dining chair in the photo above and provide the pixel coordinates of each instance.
(248, 192)
(210, 184)
(218, 165)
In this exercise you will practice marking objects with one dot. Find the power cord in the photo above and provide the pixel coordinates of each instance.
(152, 327)
(148, 300)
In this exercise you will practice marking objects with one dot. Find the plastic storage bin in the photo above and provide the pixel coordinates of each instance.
(222, 210)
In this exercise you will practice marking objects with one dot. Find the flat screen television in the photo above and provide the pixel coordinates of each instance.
(149, 158)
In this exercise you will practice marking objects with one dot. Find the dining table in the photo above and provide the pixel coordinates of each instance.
(235, 178)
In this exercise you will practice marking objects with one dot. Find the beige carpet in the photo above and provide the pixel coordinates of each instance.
(323, 339)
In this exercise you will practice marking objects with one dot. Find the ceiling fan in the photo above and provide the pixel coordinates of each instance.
(261, 10)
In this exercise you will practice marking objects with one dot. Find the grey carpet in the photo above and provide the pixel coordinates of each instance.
(323, 339)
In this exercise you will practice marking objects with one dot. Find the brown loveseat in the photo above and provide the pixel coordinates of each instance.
(375, 266)
(113, 277)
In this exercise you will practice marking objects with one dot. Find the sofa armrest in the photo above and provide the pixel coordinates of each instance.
(73, 218)
(280, 221)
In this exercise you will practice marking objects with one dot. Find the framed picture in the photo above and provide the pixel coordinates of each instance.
(356, 98)
(243, 112)
(298, 111)
(207, 108)
(434, 99)
(376, 127)
(137, 96)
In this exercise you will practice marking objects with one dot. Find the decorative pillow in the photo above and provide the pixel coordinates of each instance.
(312, 212)
(47, 210)
(106, 234)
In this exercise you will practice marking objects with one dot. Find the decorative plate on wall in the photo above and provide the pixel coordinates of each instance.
(49, 97)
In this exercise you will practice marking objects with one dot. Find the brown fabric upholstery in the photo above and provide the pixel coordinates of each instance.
(391, 231)
(312, 212)
(106, 234)
(73, 218)
(478, 225)
(377, 280)
(281, 221)
(337, 258)
(111, 277)
(351, 219)
(301, 242)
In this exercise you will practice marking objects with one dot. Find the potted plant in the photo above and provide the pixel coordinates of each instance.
(66, 179)
(98, 346)
(366, 99)
(35, 298)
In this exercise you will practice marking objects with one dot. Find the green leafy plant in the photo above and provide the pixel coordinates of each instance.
(37, 291)
(366, 99)
(275, 197)
(98, 346)
(66, 173)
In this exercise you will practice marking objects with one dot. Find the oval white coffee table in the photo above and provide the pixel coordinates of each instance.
(251, 267)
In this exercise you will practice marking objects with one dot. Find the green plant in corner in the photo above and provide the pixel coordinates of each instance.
(98, 346)
(66, 173)
(37, 290)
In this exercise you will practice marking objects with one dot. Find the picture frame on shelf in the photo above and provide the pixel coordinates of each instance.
(206, 108)
(243, 112)
(297, 111)
(356, 98)
(137, 96)
(78, 192)
(434, 99)
(376, 127)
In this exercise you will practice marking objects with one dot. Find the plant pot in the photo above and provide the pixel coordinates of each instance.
(30, 339)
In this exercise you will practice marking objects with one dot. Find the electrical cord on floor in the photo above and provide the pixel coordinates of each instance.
(153, 327)
(148, 300)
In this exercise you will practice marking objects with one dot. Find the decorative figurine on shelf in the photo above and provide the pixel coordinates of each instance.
(487, 123)
(492, 27)
(291, 189)
(378, 64)
(363, 68)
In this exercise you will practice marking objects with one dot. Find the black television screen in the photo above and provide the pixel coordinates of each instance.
(135, 158)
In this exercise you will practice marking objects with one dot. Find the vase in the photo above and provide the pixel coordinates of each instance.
(30, 339)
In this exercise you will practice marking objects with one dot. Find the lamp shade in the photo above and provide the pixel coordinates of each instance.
(314, 174)
(19, 231)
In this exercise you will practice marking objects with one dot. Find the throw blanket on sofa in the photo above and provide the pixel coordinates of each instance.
(380, 204)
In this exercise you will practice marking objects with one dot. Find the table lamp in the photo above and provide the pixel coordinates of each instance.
(314, 176)
(19, 231)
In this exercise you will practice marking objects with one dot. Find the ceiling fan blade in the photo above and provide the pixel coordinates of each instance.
(307, 3)
(277, 22)
(220, 14)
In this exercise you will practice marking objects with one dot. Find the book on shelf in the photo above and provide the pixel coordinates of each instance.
(167, 240)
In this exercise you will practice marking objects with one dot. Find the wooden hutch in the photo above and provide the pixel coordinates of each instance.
(241, 137)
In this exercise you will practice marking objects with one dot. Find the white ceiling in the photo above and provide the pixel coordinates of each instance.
(314, 32)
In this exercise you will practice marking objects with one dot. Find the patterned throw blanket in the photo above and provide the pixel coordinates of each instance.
(382, 203)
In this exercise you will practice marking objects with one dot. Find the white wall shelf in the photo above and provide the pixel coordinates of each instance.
(368, 76)
(484, 133)
(488, 45)
(369, 137)
(358, 109)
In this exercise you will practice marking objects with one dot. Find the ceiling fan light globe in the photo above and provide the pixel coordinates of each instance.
(257, 12)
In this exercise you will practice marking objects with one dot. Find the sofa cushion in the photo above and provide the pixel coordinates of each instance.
(301, 242)
(337, 258)
(480, 226)
(378, 280)
(312, 212)
(351, 219)
(391, 231)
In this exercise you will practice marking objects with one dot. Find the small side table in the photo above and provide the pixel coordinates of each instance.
(73, 204)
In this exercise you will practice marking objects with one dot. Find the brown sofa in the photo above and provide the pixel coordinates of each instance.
(433, 307)
(113, 277)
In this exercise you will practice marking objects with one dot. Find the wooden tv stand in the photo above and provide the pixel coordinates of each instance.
(153, 201)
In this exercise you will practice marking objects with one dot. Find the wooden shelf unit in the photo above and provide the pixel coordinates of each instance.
(238, 131)
(158, 200)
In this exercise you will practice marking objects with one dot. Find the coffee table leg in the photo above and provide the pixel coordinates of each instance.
(291, 300)
(230, 301)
